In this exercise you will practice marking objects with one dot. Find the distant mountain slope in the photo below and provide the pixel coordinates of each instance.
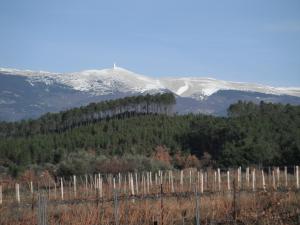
(28, 94)
(218, 103)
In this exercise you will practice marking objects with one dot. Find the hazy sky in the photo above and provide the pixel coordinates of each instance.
(242, 40)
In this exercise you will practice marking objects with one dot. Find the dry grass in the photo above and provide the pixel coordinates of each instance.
(280, 205)
(251, 208)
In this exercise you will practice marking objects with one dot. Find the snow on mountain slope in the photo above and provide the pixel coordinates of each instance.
(199, 88)
(97, 82)
(106, 81)
(117, 79)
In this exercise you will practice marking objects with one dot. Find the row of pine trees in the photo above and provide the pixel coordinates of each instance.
(131, 128)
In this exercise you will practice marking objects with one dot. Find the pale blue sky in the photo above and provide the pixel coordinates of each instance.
(238, 40)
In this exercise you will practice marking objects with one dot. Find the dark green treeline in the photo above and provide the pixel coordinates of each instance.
(264, 134)
(85, 115)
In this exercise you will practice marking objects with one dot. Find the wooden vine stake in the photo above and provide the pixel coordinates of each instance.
(253, 180)
(145, 175)
(198, 179)
(181, 179)
(131, 183)
(136, 184)
(273, 179)
(161, 205)
(42, 210)
(263, 180)
(18, 193)
(125, 184)
(120, 181)
(1, 196)
(228, 180)
(202, 181)
(31, 187)
(172, 182)
(239, 172)
(86, 182)
(55, 190)
(197, 209)
(206, 179)
(143, 189)
(148, 182)
(74, 186)
(62, 189)
(297, 177)
(285, 177)
(219, 179)
(116, 207)
(215, 181)
(190, 179)
(98, 183)
(95, 182)
(248, 177)
(278, 176)
(101, 186)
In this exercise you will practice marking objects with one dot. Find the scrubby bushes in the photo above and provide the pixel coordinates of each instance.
(85, 163)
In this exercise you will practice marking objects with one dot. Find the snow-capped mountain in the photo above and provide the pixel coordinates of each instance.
(96, 82)
(200, 88)
(25, 93)
(117, 79)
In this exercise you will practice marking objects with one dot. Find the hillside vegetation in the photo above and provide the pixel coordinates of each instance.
(139, 133)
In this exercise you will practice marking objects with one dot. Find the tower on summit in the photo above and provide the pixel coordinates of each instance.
(115, 66)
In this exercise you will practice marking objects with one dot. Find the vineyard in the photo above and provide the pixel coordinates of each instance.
(234, 196)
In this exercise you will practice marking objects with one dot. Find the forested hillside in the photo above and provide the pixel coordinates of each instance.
(139, 133)
(76, 117)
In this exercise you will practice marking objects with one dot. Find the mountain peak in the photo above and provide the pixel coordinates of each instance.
(118, 79)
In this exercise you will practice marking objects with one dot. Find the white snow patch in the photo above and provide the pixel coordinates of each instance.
(183, 89)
